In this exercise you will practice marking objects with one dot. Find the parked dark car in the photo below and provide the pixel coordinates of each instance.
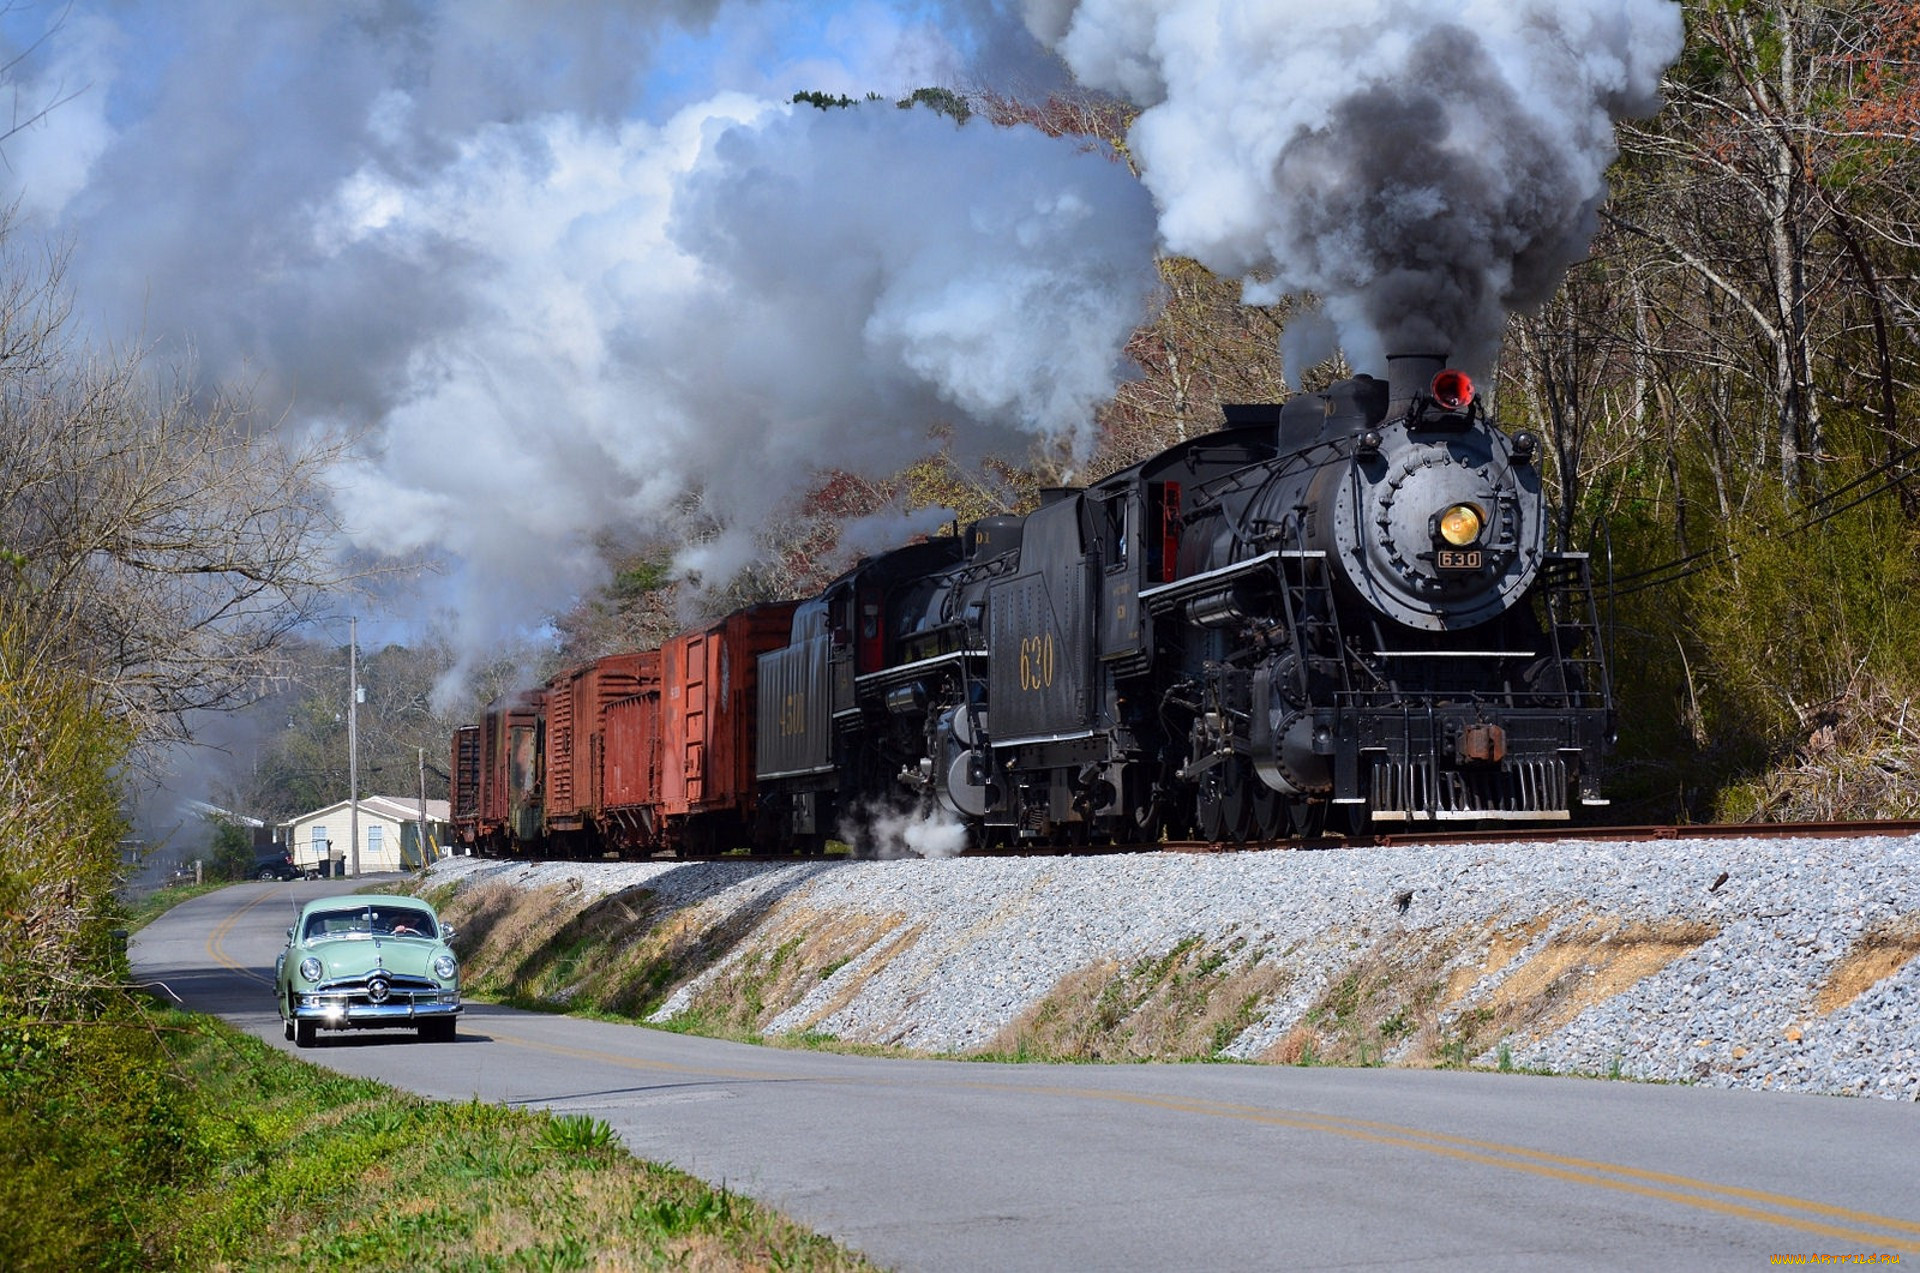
(274, 864)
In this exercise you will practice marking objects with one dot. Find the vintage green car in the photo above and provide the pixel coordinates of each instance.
(367, 961)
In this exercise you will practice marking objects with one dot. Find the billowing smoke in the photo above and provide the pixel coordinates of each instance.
(1423, 166)
(578, 271)
(722, 307)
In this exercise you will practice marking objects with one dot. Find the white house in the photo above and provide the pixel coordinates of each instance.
(389, 834)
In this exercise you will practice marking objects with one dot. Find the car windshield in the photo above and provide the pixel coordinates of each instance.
(385, 921)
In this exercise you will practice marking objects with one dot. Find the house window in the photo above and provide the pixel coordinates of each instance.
(373, 841)
(319, 844)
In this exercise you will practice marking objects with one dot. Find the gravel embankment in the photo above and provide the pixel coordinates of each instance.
(1795, 972)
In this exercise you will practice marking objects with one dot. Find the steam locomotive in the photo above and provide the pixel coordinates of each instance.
(1332, 613)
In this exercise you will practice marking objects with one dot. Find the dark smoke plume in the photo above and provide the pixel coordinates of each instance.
(1425, 167)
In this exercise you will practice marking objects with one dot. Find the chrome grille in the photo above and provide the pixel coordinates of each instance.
(400, 988)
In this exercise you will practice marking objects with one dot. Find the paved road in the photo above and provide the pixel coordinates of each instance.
(964, 1166)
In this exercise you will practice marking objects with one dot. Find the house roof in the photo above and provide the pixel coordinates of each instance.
(206, 810)
(395, 808)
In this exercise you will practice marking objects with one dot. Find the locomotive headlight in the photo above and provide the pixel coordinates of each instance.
(1461, 525)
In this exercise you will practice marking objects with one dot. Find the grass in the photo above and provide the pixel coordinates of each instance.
(1188, 1003)
(152, 1139)
(283, 1165)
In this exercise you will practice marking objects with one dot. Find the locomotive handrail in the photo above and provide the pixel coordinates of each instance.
(1170, 594)
(908, 671)
(1454, 654)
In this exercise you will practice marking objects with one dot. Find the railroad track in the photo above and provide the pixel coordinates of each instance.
(1621, 834)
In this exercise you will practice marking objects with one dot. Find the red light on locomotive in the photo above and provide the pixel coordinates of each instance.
(1453, 390)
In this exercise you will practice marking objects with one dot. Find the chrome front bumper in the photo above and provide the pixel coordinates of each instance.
(339, 1010)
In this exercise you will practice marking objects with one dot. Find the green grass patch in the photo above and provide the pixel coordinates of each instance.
(172, 1141)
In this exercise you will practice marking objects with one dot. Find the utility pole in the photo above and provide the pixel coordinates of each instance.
(423, 808)
(353, 739)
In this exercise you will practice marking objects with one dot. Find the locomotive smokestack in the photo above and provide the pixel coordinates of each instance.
(1410, 374)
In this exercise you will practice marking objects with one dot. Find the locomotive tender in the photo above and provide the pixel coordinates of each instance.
(1336, 612)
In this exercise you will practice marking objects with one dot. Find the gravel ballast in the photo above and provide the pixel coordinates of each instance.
(1779, 964)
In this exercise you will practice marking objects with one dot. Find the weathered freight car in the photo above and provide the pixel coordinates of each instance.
(633, 753)
(707, 796)
(495, 787)
(573, 747)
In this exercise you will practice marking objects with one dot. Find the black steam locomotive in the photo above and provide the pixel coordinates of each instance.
(1335, 612)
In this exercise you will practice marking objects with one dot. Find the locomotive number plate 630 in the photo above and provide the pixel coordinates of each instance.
(1458, 559)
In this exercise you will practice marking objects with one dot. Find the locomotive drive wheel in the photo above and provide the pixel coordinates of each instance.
(1237, 804)
(1207, 805)
(1269, 811)
(1227, 803)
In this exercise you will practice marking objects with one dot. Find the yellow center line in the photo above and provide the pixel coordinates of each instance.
(216, 941)
(638, 1063)
(1559, 1167)
(1876, 1230)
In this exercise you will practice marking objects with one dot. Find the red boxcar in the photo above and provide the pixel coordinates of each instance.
(496, 776)
(574, 749)
(632, 772)
(706, 729)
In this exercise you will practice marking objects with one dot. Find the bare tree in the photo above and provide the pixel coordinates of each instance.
(153, 538)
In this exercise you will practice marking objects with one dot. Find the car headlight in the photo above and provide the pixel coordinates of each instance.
(444, 967)
(311, 969)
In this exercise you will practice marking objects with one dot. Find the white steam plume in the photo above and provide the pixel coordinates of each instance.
(728, 304)
(1424, 166)
(893, 833)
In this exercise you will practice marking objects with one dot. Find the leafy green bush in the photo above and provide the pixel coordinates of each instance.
(1777, 635)
(230, 852)
(60, 830)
